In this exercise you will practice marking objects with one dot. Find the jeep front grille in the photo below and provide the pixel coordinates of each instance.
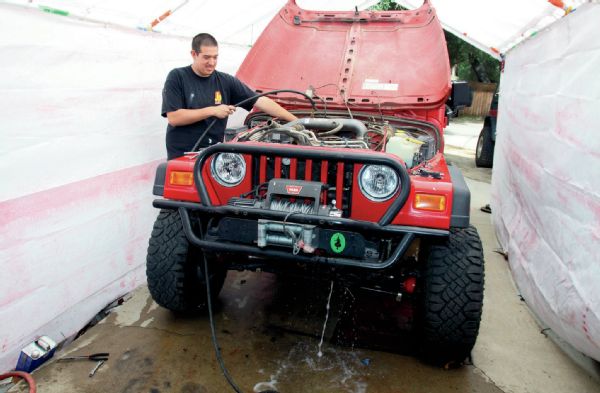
(338, 176)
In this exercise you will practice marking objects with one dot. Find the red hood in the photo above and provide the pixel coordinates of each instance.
(392, 59)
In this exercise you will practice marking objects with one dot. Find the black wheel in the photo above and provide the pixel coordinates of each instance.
(453, 298)
(175, 269)
(484, 153)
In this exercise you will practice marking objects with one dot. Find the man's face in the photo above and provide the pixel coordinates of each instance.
(205, 61)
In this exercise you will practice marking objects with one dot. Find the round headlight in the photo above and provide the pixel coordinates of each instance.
(378, 182)
(228, 169)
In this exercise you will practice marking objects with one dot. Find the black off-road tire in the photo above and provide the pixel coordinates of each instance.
(484, 152)
(175, 268)
(453, 298)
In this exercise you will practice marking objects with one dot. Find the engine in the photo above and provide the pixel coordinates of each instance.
(411, 142)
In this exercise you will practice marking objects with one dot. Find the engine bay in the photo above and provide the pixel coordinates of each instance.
(413, 141)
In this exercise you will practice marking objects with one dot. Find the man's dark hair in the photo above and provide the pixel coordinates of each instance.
(203, 39)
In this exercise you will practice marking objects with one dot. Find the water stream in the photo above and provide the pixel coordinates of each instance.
(320, 353)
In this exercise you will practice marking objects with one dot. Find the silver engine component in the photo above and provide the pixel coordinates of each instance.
(331, 126)
(313, 132)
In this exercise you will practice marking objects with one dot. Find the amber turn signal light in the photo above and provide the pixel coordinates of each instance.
(182, 178)
(430, 202)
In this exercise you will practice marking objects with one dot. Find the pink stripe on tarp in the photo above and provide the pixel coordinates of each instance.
(41, 204)
(42, 217)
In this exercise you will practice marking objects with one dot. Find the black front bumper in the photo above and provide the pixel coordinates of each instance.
(402, 235)
(405, 234)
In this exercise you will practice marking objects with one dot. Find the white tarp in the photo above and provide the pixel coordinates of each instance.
(494, 26)
(80, 137)
(546, 179)
(230, 21)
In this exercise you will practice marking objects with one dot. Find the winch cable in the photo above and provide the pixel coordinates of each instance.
(312, 103)
(295, 246)
(213, 333)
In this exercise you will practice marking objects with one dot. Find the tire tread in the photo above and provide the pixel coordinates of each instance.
(171, 267)
(453, 300)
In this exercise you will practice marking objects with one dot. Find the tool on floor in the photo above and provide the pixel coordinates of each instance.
(101, 356)
(100, 363)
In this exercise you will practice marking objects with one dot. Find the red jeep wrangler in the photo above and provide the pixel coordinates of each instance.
(357, 189)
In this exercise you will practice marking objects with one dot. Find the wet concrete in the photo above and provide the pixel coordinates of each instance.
(153, 350)
(269, 331)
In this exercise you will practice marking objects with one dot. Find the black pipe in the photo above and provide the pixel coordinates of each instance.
(322, 221)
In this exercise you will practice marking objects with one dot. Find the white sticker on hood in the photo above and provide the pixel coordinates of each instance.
(373, 84)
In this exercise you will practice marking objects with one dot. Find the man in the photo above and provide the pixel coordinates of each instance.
(195, 95)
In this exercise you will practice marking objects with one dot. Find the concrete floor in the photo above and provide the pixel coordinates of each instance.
(265, 346)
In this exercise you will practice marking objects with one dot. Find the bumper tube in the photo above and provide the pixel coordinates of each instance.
(255, 251)
(322, 221)
(343, 156)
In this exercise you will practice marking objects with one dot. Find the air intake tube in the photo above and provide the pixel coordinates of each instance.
(351, 125)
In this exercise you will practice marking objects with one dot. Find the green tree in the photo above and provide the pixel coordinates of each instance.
(471, 63)
(387, 5)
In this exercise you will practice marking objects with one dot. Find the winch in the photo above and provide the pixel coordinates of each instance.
(293, 196)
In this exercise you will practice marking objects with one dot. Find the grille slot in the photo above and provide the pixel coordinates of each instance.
(338, 176)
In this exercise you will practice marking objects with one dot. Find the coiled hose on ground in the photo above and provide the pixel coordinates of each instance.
(21, 374)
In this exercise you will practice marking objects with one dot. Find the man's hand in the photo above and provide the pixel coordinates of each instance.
(222, 111)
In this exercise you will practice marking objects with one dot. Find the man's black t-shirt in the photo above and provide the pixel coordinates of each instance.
(186, 90)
